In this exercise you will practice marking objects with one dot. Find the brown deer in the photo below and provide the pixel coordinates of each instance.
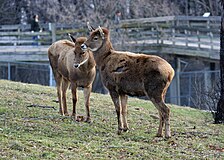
(126, 73)
(72, 65)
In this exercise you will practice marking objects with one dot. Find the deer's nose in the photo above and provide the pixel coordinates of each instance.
(83, 46)
(76, 65)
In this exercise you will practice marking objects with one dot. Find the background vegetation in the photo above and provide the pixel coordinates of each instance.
(101, 11)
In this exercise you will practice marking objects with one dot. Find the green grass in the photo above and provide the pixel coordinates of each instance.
(29, 133)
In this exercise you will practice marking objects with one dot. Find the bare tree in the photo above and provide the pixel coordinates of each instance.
(219, 116)
(7, 12)
(101, 11)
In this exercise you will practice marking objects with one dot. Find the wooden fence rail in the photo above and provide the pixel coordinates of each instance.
(189, 34)
(20, 35)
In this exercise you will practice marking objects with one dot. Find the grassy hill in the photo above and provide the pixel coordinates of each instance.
(41, 133)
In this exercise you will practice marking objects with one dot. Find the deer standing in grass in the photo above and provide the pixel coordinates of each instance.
(126, 73)
(72, 65)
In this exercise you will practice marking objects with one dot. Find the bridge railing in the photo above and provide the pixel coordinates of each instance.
(20, 35)
(156, 28)
(196, 33)
(170, 35)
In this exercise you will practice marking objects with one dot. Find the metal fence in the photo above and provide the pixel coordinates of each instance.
(195, 88)
(37, 73)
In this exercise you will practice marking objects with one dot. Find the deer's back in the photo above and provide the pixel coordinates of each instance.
(132, 72)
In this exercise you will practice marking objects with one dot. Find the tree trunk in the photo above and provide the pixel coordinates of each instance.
(219, 116)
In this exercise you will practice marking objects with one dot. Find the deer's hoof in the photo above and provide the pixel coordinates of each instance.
(168, 136)
(159, 135)
(88, 120)
(119, 132)
(125, 129)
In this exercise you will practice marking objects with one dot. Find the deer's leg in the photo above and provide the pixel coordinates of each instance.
(161, 119)
(124, 99)
(155, 89)
(74, 98)
(164, 112)
(115, 98)
(87, 91)
(58, 80)
(167, 120)
(64, 89)
(161, 124)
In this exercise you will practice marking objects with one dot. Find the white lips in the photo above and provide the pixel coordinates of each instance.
(94, 49)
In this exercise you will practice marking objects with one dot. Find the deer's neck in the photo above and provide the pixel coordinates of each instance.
(89, 64)
(103, 52)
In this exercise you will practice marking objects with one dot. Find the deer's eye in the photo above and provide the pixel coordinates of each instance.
(95, 38)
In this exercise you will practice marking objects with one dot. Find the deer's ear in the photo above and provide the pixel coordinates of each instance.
(90, 27)
(72, 38)
(101, 32)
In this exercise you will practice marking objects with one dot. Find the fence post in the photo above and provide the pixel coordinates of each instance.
(208, 24)
(51, 77)
(189, 90)
(157, 36)
(9, 71)
(211, 40)
(52, 28)
(173, 36)
(199, 41)
(175, 85)
(186, 37)
(153, 31)
(161, 36)
(178, 81)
